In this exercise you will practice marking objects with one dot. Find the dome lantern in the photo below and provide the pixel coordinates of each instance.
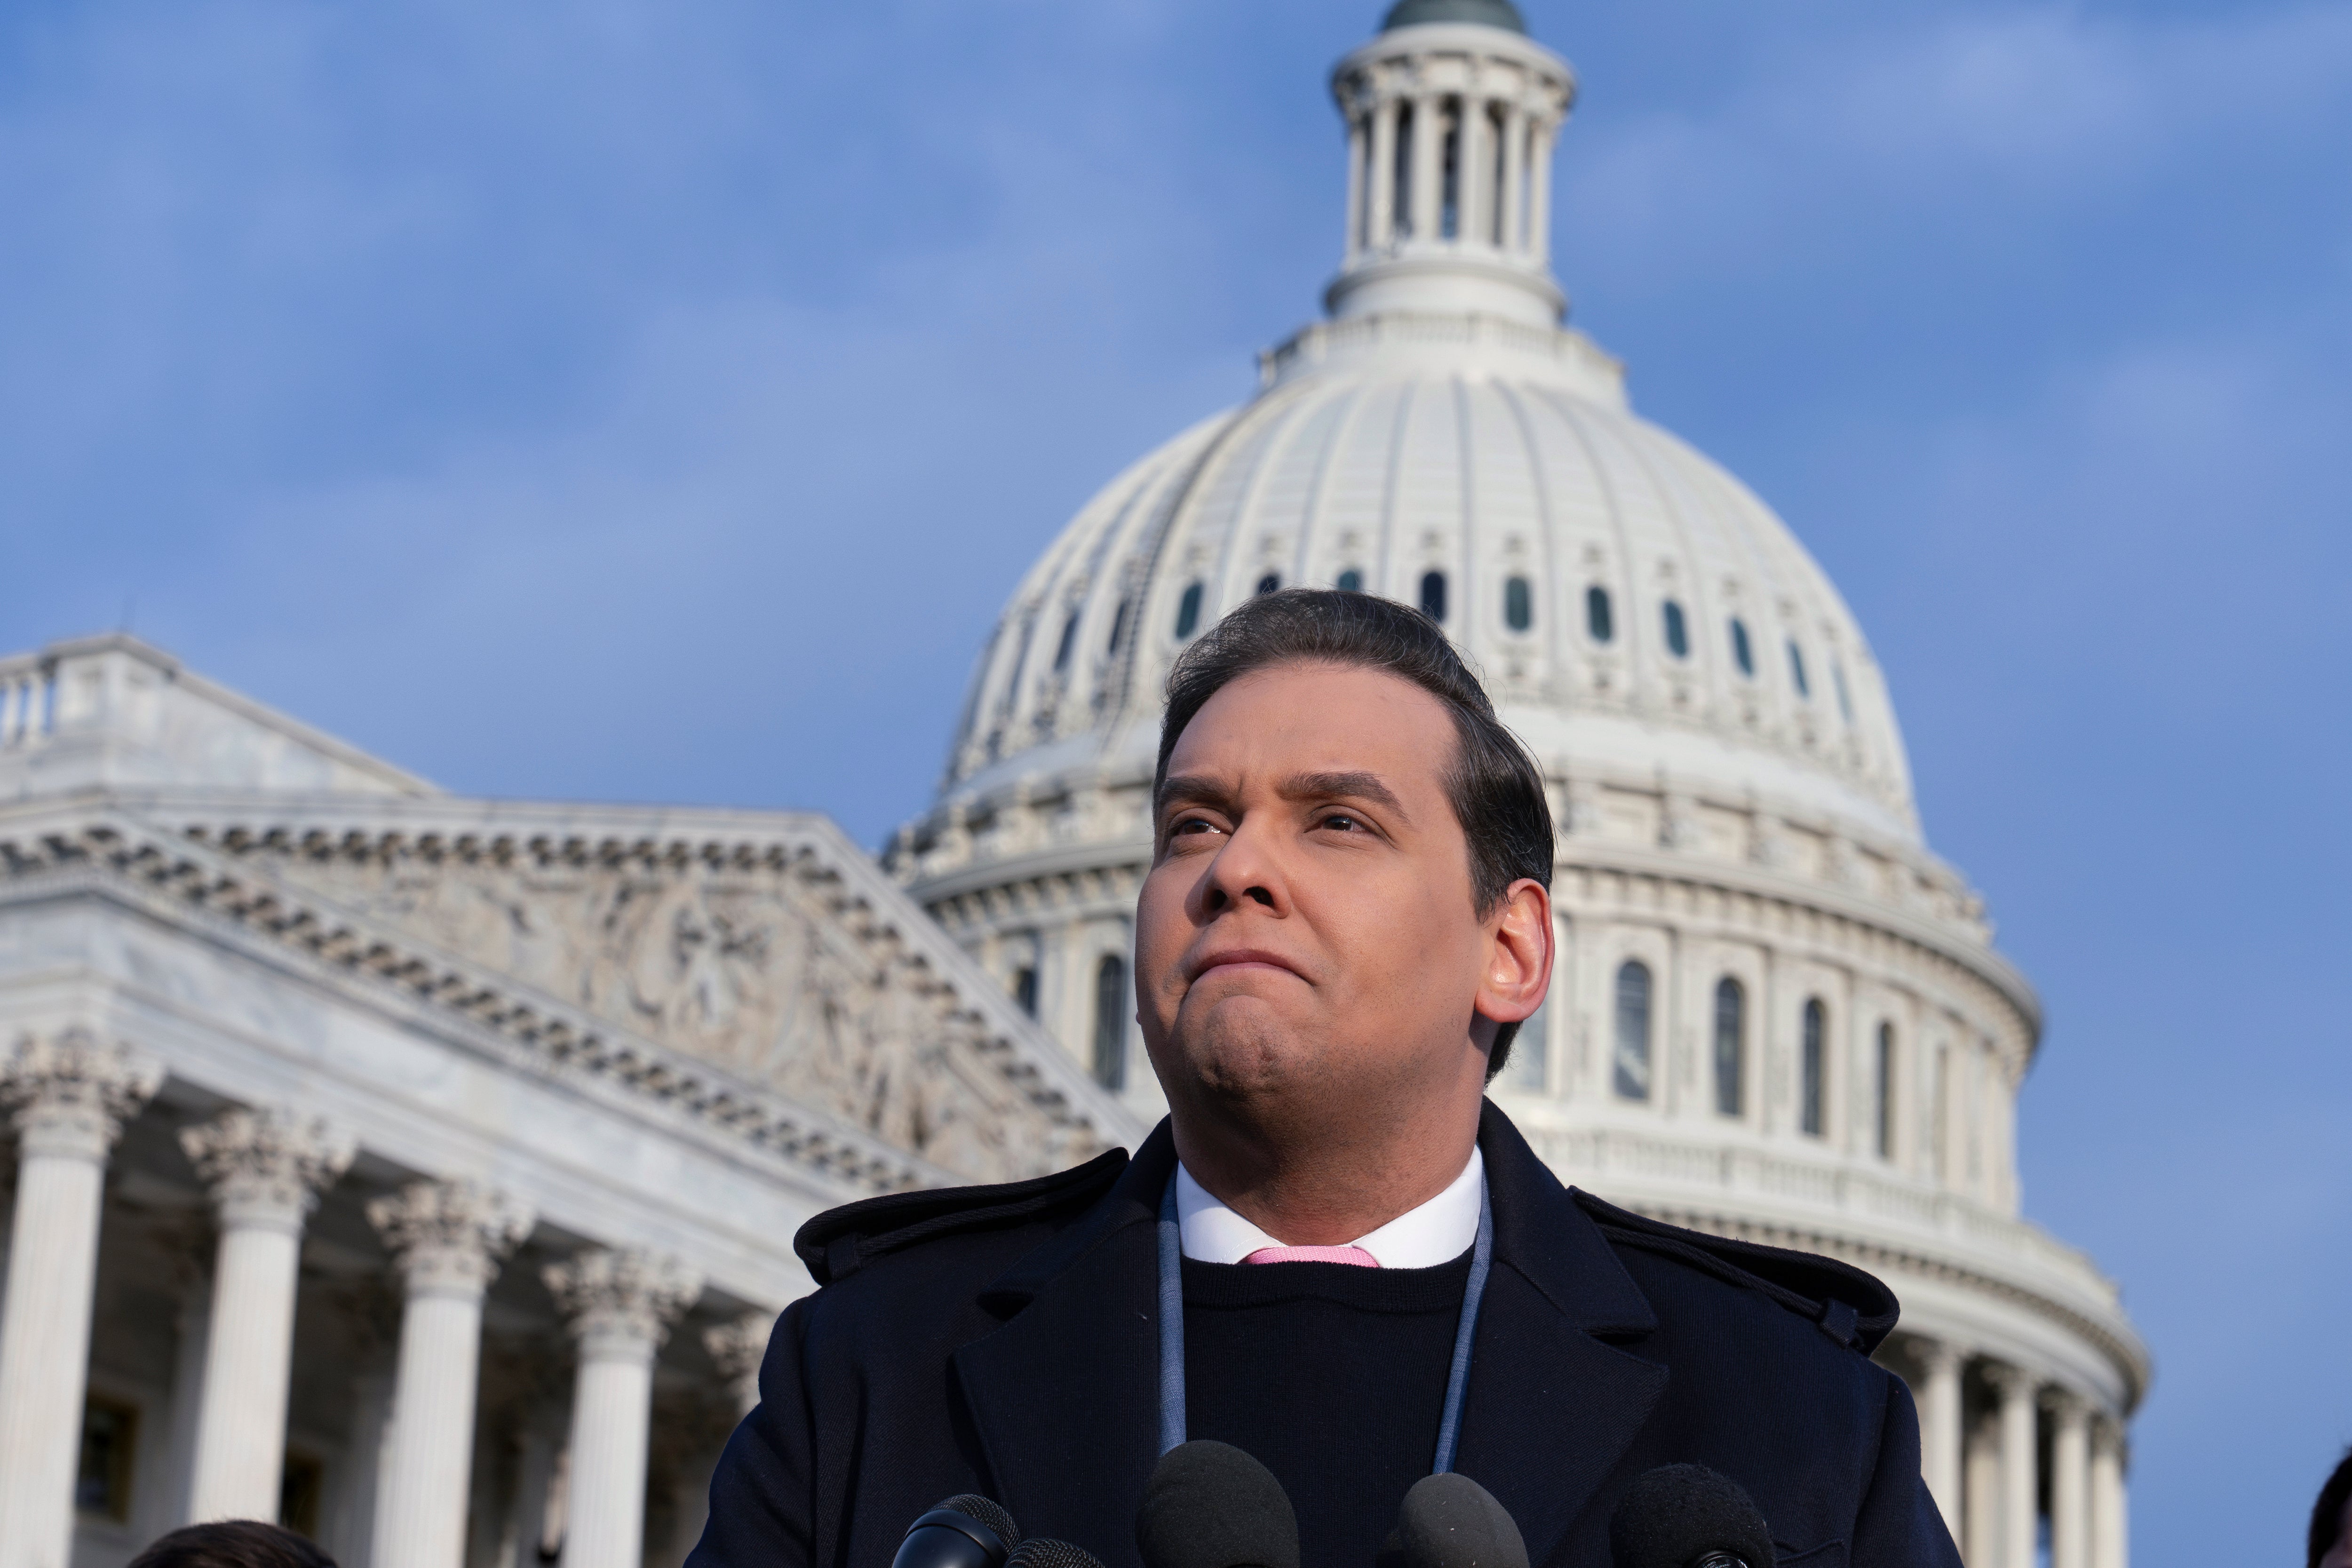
(1452, 113)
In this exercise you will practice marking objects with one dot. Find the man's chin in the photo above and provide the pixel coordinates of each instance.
(1242, 1049)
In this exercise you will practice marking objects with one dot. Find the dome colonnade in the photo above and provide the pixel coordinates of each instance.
(1776, 1014)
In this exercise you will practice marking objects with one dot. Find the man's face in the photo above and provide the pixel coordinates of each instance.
(1308, 944)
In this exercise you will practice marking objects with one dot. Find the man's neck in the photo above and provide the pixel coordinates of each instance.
(1325, 1191)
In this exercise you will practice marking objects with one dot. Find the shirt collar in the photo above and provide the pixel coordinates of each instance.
(1437, 1232)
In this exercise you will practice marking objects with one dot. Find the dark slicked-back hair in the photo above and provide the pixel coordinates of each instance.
(1494, 786)
(232, 1544)
(2328, 1513)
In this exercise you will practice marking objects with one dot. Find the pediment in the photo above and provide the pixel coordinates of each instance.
(772, 958)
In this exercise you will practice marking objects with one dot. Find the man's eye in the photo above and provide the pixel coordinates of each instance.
(1191, 824)
(1342, 821)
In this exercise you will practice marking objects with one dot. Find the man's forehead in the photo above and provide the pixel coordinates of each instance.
(1296, 719)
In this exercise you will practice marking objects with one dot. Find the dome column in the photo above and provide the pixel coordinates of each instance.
(1473, 186)
(1515, 174)
(2108, 1517)
(2018, 1473)
(1359, 151)
(2070, 1479)
(1428, 145)
(1539, 195)
(1380, 226)
(1940, 1435)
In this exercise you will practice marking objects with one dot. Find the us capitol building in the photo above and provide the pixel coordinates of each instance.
(423, 1170)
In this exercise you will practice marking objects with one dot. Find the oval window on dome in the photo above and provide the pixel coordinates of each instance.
(1433, 595)
(1599, 622)
(1518, 604)
(1352, 581)
(1069, 636)
(1742, 654)
(1797, 671)
(1118, 627)
(1269, 583)
(1187, 612)
(1678, 631)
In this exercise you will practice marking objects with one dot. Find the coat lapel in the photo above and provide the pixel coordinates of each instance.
(1064, 1396)
(1552, 1405)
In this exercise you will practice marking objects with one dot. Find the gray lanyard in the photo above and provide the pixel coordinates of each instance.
(1172, 1328)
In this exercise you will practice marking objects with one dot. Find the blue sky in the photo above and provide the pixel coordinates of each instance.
(655, 402)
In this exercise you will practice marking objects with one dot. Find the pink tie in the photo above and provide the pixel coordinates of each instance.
(1355, 1257)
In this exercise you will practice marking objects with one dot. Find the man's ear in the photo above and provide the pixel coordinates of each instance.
(1519, 954)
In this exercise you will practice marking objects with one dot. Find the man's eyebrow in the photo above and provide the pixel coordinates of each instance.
(1351, 785)
(1189, 789)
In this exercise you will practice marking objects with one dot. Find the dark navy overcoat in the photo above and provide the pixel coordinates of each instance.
(1003, 1341)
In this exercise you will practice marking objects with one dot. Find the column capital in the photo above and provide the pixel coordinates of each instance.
(267, 1168)
(69, 1093)
(738, 1346)
(448, 1238)
(2011, 1382)
(622, 1303)
(2064, 1403)
(1941, 1355)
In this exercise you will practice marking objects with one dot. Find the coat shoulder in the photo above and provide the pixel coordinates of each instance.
(1854, 1308)
(839, 1242)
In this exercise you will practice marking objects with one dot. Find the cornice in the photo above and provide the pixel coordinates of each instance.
(188, 872)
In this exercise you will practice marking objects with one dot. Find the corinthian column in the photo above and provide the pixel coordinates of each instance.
(1939, 1430)
(2109, 1549)
(739, 1348)
(620, 1305)
(2070, 1480)
(447, 1238)
(68, 1097)
(2019, 1494)
(266, 1170)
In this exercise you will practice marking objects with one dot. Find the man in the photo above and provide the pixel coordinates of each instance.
(1346, 918)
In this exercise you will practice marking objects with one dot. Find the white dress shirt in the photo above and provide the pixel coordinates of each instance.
(1438, 1231)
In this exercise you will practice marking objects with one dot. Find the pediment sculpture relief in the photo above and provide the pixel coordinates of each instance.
(744, 967)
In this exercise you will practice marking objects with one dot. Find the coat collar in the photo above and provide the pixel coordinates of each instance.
(1554, 1398)
(1064, 1396)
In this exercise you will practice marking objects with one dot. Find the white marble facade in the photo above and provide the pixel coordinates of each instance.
(1777, 1013)
(425, 1170)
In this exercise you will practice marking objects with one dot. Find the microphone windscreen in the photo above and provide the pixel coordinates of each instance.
(1209, 1505)
(1450, 1522)
(1674, 1515)
(989, 1513)
(1044, 1552)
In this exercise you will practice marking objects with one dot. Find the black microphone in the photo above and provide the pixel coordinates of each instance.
(1450, 1522)
(1209, 1505)
(965, 1532)
(1686, 1516)
(1044, 1552)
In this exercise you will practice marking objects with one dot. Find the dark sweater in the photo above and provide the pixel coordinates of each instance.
(1333, 1377)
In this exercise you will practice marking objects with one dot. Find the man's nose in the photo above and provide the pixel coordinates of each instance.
(1244, 870)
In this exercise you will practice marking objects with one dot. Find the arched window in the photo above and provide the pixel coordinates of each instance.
(1352, 581)
(1518, 604)
(1187, 612)
(1433, 595)
(1887, 1091)
(1809, 1089)
(1797, 671)
(1069, 636)
(1118, 625)
(1024, 988)
(1111, 1022)
(1632, 1057)
(1269, 583)
(1599, 624)
(1677, 634)
(1730, 1045)
(1741, 654)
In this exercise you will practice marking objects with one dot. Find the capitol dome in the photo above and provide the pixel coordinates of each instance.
(1776, 1013)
